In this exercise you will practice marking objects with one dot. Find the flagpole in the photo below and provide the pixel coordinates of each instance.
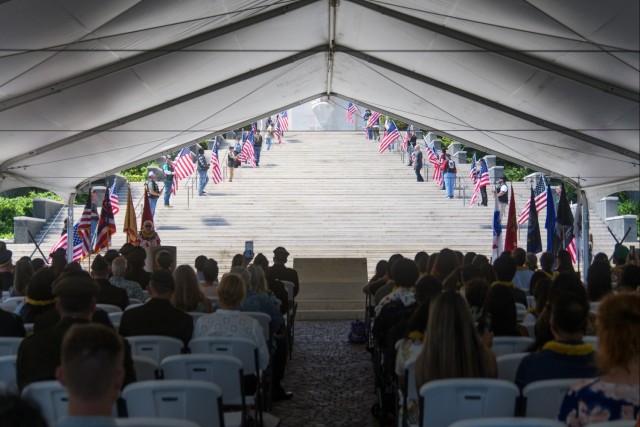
(578, 198)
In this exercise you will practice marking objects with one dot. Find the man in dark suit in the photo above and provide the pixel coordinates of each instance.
(10, 325)
(108, 294)
(158, 316)
(39, 354)
(280, 272)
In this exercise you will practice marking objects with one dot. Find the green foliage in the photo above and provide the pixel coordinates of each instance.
(11, 207)
(137, 173)
(627, 206)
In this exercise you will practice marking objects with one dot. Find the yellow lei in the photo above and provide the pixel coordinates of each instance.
(508, 284)
(416, 336)
(569, 349)
(30, 301)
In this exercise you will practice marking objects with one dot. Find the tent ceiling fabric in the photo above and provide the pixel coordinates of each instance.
(87, 86)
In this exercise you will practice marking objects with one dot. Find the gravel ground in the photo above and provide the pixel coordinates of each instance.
(332, 380)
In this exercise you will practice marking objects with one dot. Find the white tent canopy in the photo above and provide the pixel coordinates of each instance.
(87, 86)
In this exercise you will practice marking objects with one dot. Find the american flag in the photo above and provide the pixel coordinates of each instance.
(405, 141)
(283, 122)
(540, 197)
(216, 175)
(115, 202)
(277, 132)
(84, 224)
(106, 225)
(373, 119)
(247, 152)
(351, 110)
(183, 165)
(573, 251)
(80, 244)
(432, 155)
(473, 174)
(254, 127)
(482, 181)
(390, 135)
(496, 248)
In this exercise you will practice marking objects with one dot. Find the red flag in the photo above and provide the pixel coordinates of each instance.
(511, 237)
(146, 210)
(106, 225)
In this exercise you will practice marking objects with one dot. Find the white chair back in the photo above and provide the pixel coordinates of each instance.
(8, 371)
(616, 423)
(447, 401)
(9, 345)
(508, 422)
(135, 301)
(510, 345)
(154, 422)
(197, 401)
(109, 308)
(11, 303)
(289, 286)
(157, 347)
(545, 397)
(130, 306)
(146, 368)
(245, 349)
(508, 366)
(115, 318)
(263, 319)
(593, 306)
(531, 328)
(51, 397)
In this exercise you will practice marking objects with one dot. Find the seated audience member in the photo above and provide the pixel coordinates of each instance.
(22, 273)
(505, 268)
(480, 260)
(281, 272)
(187, 296)
(452, 346)
(135, 267)
(566, 356)
(6, 268)
(119, 269)
(91, 370)
(378, 276)
(237, 261)
(58, 261)
(421, 259)
(382, 288)
(535, 278)
(629, 279)
(158, 316)
(444, 265)
(209, 284)
(405, 275)
(565, 265)
(276, 287)
(540, 295)
(531, 261)
(468, 258)
(39, 354)
(109, 256)
(475, 292)
(523, 274)
(470, 272)
(18, 412)
(546, 264)
(615, 395)
(126, 249)
(199, 264)
(258, 299)
(37, 264)
(488, 273)
(40, 297)
(109, 294)
(164, 259)
(500, 314)
(619, 258)
(599, 281)
(453, 282)
(11, 325)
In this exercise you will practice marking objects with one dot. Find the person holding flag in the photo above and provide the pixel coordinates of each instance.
(168, 180)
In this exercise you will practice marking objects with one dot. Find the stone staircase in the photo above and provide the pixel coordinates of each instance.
(323, 195)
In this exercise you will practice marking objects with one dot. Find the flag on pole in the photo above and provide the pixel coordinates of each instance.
(130, 226)
(183, 165)
(576, 244)
(432, 155)
(351, 110)
(405, 141)
(216, 174)
(283, 121)
(115, 202)
(550, 222)
(473, 173)
(483, 180)
(534, 241)
(277, 132)
(106, 225)
(540, 200)
(146, 209)
(374, 118)
(496, 248)
(390, 135)
(564, 223)
(247, 153)
(80, 244)
(511, 236)
(84, 224)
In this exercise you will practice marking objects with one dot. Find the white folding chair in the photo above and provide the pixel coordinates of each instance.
(115, 318)
(531, 300)
(593, 306)
(154, 422)
(544, 398)
(157, 347)
(531, 328)
(509, 345)
(197, 401)
(146, 368)
(616, 423)
(447, 401)
(263, 319)
(9, 345)
(109, 308)
(225, 371)
(593, 340)
(410, 391)
(521, 311)
(130, 306)
(508, 422)
(11, 303)
(508, 366)
(51, 397)
(5, 295)
(135, 301)
(8, 371)
(28, 327)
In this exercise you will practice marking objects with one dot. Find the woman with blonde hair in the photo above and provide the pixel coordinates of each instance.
(452, 347)
(615, 395)
(187, 295)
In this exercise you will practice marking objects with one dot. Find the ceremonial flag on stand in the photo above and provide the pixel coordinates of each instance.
(216, 174)
(534, 241)
(283, 121)
(80, 244)
(564, 223)
(115, 202)
(550, 222)
(84, 224)
(146, 209)
(373, 119)
(183, 165)
(496, 248)
(130, 226)
(511, 237)
(473, 174)
(540, 200)
(277, 132)
(247, 153)
(405, 141)
(351, 110)
(106, 225)
(482, 180)
(576, 243)
(390, 135)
